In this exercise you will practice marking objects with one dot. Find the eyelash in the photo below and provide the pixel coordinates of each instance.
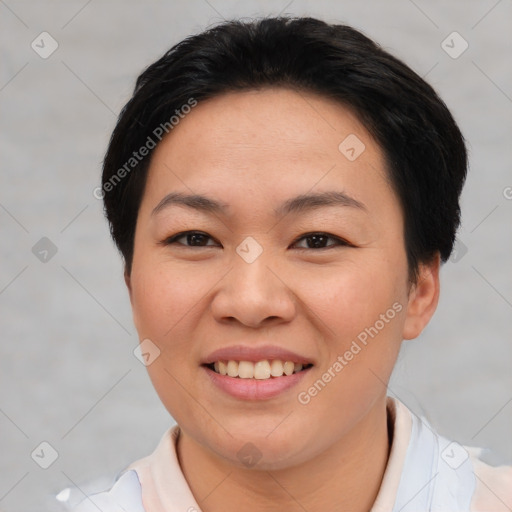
(340, 242)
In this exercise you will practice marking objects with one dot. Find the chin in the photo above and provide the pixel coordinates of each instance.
(255, 449)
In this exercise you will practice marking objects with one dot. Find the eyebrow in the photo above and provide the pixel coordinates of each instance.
(298, 204)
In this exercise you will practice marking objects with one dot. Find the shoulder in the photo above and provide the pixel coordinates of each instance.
(135, 481)
(449, 476)
(124, 496)
(493, 490)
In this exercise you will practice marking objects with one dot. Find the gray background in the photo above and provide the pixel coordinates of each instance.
(68, 373)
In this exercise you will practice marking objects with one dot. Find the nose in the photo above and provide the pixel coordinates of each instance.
(254, 294)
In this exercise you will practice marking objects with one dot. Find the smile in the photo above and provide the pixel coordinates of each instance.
(260, 370)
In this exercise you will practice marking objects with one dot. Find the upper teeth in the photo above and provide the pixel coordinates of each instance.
(259, 370)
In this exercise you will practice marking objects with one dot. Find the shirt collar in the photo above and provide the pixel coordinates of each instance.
(409, 479)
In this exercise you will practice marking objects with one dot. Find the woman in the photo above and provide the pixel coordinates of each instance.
(283, 193)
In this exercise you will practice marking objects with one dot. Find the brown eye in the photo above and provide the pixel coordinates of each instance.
(319, 241)
(192, 239)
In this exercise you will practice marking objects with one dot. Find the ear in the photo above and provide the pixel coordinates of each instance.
(423, 299)
(127, 280)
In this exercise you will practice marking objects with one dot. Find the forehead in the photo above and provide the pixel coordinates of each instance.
(274, 120)
(267, 143)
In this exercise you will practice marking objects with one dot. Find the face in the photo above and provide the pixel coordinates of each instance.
(261, 270)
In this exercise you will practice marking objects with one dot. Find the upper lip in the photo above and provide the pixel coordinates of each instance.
(254, 354)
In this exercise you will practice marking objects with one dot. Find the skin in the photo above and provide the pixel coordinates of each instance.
(253, 151)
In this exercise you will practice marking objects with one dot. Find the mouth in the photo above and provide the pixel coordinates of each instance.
(260, 372)
(257, 370)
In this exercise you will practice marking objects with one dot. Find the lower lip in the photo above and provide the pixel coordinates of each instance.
(255, 389)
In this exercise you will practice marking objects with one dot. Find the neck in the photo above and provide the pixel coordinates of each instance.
(347, 476)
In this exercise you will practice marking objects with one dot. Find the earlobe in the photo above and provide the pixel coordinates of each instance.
(127, 280)
(423, 299)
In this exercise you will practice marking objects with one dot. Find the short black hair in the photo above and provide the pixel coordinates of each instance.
(425, 153)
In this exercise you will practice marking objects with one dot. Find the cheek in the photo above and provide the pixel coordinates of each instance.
(163, 296)
(166, 300)
(353, 296)
(362, 312)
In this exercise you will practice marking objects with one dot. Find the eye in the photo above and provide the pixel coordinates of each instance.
(193, 239)
(315, 240)
(318, 241)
